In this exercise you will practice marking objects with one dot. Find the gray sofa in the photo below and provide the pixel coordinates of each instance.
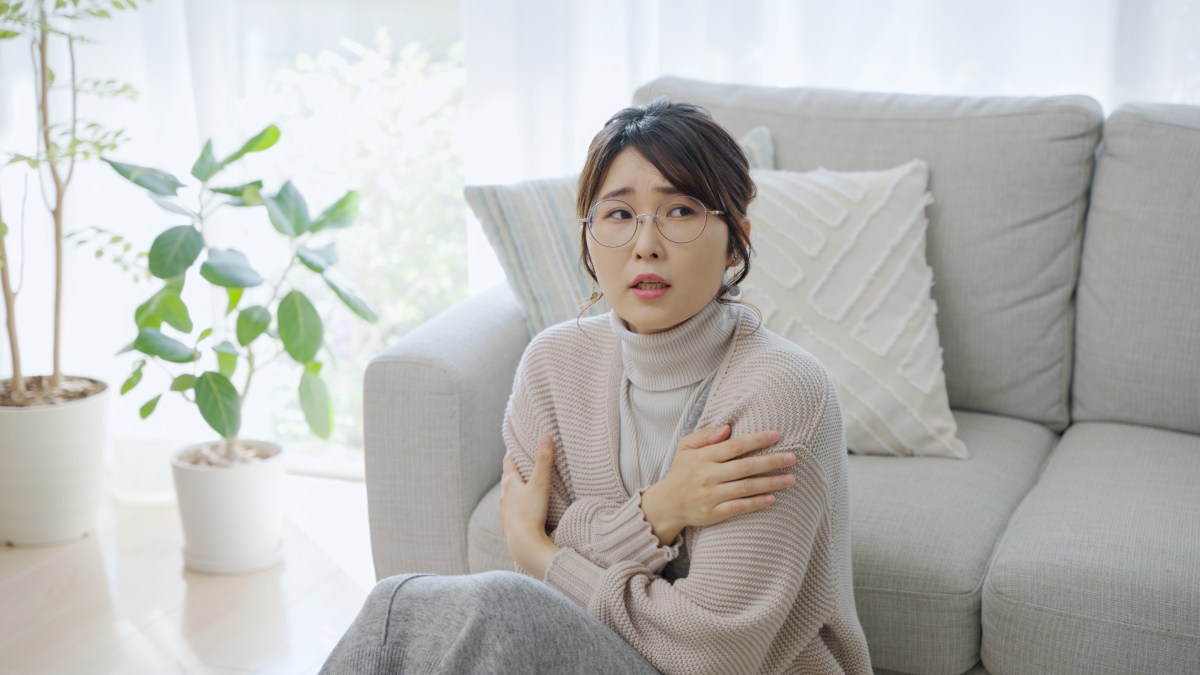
(1066, 257)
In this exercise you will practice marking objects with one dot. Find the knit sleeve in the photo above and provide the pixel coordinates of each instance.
(603, 531)
(607, 532)
(528, 416)
(747, 575)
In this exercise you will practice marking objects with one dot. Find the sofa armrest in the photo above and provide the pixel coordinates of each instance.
(433, 407)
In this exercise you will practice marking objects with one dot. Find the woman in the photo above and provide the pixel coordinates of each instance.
(637, 485)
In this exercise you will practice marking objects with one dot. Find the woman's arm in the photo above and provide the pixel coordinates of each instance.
(744, 579)
(709, 481)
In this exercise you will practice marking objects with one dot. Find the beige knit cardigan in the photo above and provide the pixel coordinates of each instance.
(767, 592)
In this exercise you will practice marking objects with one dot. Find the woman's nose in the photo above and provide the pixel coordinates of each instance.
(647, 240)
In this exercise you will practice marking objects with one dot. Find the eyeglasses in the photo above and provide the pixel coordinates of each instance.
(679, 218)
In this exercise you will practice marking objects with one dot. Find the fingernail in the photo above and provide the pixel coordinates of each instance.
(774, 436)
(790, 457)
(789, 479)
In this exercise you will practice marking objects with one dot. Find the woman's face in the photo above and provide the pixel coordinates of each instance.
(651, 282)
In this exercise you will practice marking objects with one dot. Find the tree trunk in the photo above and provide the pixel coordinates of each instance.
(59, 189)
(10, 311)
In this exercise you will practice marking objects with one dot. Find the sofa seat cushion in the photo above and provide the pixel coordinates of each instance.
(486, 549)
(923, 531)
(1099, 571)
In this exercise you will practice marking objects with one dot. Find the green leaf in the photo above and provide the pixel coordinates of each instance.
(263, 140)
(206, 165)
(299, 327)
(204, 334)
(3, 229)
(317, 405)
(134, 377)
(288, 211)
(350, 297)
(319, 259)
(160, 307)
(183, 382)
(251, 323)
(158, 182)
(152, 342)
(227, 358)
(229, 268)
(246, 194)
(219, 403)
(341, 214)
(174, 251)
(175, 313)
(235, 296)
(148, 407)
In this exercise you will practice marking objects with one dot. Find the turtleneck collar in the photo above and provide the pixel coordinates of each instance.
(683, 355)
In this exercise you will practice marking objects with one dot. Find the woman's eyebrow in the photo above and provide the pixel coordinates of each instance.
(625, 191)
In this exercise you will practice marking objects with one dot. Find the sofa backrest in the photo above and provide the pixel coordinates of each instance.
(1138, 337)
(1009, 177)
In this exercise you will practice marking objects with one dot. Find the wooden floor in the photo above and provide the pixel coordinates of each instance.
(120, 601)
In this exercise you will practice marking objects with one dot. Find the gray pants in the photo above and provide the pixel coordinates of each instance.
(495, 622)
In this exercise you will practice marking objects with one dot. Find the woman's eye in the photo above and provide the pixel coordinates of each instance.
(619, 214)
(681, 212)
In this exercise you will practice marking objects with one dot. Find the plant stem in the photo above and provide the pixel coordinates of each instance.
(10, 312)
(59, 192)
(249, 376)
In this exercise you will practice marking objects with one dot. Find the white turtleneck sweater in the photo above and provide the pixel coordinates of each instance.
(665, 382)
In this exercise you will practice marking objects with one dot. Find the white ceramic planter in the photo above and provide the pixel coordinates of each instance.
(232, 516)
(51, 462)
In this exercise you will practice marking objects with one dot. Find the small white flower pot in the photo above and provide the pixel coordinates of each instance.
(232, 515)
(51, 463)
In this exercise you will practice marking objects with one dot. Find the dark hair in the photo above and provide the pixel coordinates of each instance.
(692, 152)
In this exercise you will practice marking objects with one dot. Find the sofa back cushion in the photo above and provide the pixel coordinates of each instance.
(1009, 178)
(1138, 337)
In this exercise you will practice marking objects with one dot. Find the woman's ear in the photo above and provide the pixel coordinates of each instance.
(735, 257)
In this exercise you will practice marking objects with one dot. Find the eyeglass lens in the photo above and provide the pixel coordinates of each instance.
(679, 218)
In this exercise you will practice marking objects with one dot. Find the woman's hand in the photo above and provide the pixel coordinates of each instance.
(523, 507)
(708, 484)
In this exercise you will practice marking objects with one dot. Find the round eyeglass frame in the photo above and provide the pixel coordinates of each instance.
(587, 222)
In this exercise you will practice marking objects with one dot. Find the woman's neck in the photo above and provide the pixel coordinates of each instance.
(683, 355)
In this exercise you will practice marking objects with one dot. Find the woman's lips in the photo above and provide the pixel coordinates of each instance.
(649, 290)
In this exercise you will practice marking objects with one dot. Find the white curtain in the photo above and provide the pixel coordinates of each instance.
(543, 75)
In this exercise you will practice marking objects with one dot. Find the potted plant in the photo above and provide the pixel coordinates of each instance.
(53, 428)
(229, 489)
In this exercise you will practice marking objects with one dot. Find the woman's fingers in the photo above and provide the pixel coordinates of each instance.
(744, 444)
(737, 507)
(543, 463)
(750, 487)
(753, 466)
(705, 437)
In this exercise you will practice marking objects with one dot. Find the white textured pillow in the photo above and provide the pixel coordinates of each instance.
(533, 230)
(840, 270)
